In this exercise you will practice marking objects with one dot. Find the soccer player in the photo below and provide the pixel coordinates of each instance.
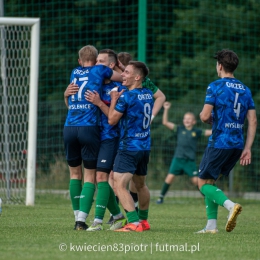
(109, 144)
(82, 131)
(134, 110)
(184, 160)
(228, 103)
(123, 59)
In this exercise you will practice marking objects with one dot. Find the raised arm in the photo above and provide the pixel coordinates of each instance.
(245, 158)
(116, 76)
(165, 121)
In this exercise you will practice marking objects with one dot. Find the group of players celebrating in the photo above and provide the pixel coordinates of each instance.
(111, 104)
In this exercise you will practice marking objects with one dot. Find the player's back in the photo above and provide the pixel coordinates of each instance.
(231, 100)
(137, 105)
(82, 112)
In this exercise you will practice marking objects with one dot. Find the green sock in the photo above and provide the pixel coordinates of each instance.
(86, 197)
(75, 191)
(214, 194)
(103, 193)
(132, 216)
(165, 188)
(211, 209)
(112, 205)
(143, 214)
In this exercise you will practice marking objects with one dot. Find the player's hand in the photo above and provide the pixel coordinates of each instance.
(92, 97)
(114, 94)
(166, 105)
(245, 157)
(210, 120)
(72, 89)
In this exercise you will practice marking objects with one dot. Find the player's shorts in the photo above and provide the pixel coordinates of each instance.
(216, 162)
(81, 143)
(180, 166)
(107, 154)
(134, 162)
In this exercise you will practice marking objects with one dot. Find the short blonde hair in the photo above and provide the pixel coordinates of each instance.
(88, 53)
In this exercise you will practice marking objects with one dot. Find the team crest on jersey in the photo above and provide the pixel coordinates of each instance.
(184, 132)
(193, 134)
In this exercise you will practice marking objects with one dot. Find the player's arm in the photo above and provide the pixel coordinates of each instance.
(94, 98)
(158, 103)
(208, 132)
(165, 121)
(113, 115)
(245, 158)
(205, 114)
(72, 89)
(116, 76)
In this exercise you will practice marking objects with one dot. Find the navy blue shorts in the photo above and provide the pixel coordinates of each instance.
(107, 154)
(216, 162)
(81, 143)
(134, 162)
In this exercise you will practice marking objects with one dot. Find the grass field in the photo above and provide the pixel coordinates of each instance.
(45, 231)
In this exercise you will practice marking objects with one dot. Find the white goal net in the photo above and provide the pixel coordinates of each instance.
(19, 52)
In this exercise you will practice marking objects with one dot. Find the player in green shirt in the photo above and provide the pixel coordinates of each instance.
(184, 160)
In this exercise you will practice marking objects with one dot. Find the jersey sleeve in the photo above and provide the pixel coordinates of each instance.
(121, 104)
(104, 71)
(210, 98)
(147, 83)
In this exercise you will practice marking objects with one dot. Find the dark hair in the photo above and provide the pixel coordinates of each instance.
(111, 55)
(141, 67)
(124, 58)
(228, 59)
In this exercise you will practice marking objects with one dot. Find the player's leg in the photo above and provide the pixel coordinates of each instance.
(142, 190)
(219, 161)
(111, 183)
(133, 193)
(105, 194)
(123, 173)
(175, 169)
(75, 188)
(73, 156)
(89, 138)
(144, 194)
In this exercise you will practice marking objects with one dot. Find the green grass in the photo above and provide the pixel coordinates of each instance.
(36, 233)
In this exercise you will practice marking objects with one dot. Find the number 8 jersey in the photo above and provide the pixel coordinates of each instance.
(81, 112)
(231, 100)
(136, 106)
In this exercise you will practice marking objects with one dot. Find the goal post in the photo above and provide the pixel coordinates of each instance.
(13, 70)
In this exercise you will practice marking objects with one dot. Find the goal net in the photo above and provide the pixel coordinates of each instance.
(19, 50)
